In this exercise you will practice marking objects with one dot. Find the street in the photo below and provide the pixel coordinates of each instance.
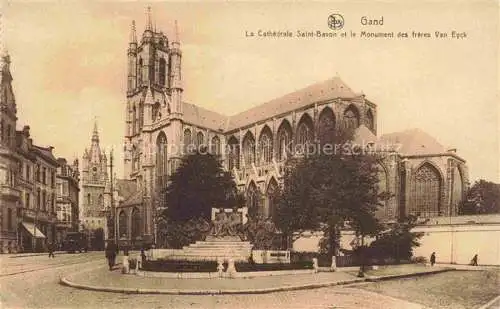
(33, 282)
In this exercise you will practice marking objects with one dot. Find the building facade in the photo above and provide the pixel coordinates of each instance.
(94, 187)
(10, 194)
(67, 202)
(423, 177)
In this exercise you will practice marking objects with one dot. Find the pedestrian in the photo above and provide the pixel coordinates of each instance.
(433, 258)
(111, 251)
(143, 256)
(473, 262)
(50, 248)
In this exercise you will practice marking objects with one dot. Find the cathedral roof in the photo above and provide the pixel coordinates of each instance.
(203, 117)
(413, 142)
(326, 90)
(134, 199)
(125, 188)
(363, 136)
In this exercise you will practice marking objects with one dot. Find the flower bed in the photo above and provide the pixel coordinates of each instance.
(248, 267)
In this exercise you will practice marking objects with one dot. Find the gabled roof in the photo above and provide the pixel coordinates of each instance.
(330, 89)
(46, 153)
(413, 142)
(134, 199)
(125, 188)
(363, 136)
(203, 117)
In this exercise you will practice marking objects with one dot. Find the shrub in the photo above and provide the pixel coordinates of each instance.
(419, 260)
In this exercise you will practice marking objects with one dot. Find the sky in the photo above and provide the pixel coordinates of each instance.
(69, 65)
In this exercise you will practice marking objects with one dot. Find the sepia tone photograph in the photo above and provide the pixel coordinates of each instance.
(232, 154)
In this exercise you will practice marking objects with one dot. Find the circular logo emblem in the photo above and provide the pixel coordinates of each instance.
(336, 21)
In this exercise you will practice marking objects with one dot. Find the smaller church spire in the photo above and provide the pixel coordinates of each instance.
(133, 36)
(176, 42)
(95, 133)
(149, 24)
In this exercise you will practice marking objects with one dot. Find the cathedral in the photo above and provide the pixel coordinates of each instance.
(423, 177)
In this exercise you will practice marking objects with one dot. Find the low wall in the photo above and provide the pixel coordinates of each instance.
(457, 244)
(154, 254)
(271, 256)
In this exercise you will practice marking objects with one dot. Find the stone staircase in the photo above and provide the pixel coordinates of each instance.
(213, 249)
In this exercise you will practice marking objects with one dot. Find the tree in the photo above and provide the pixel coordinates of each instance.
(482, 198)
(325, 190)
(397, 242)
(197, 186)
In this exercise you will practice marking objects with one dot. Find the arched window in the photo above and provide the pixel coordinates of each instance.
(351, 118)
(156, 111)
(161, 160)
(284, 140)
(326, 126)
(200, 140)
(252, 199)
(249, 149)
(163, 70)
(187, 141)
(139, 72)
(136, 224)
(134, 120)
(305, 133)
(370, 123)
(215, 146)
(382, 188)
(272, 188)
(88, 199)
(426, 192)
(122, 224)
(141, 116)
(266, 145)
(234, 153)
(457, 190)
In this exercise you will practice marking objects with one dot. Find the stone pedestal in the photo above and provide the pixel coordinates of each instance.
(125, 265)
(231, 269)
(333, 266)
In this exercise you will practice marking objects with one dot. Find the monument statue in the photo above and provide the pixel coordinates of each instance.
(227, 225)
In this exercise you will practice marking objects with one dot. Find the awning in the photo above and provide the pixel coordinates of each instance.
(33, 230)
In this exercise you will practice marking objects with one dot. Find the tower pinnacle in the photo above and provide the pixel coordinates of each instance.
(95, 134)
(149, 24)
(133, 37)
(176, 35)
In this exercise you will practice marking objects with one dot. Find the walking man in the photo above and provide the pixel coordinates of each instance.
(50, 248)
(111, 254)
(433, 258)
(473, 262)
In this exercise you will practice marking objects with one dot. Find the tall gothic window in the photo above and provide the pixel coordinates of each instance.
(382, 187)
(266, 145)
(156, 111)
(139, 72)
(326, 126)
(136, 223)
(187, 141)
(122, 224)
(351, 118)
(134, 120)
(284, 140)
(200, 140)
(161, 159)
(163, 70)
(215, 146)
(252, 199)
(234, 153)
(305, 133)
(370, 123)
(249, 149)
(141, 116)
(457, 190)
(272, 187)
(100, 201)
(426, 192)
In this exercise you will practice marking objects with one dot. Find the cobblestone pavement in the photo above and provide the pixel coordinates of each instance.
(40, 288)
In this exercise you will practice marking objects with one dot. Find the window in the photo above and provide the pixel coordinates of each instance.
(215, 146)
(200, 140)
(44, 200)
(28, 172)
(53, 179)
(163, 70)
(38, 172)
(284, 140)
(9, 132)
(88, 199)
(326, 127)
(26, 200)
(249, 149)
(266, 145)
(426, 192)
(187, 141)
(351, 118)
(1, 131)
(161, 159)
(305, 133)
(53, 203)
(234, 153)
(9, 219)
(44, 176)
